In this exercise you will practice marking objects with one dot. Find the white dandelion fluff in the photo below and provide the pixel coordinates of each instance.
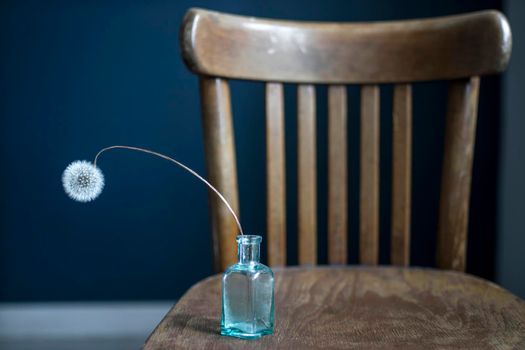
(83, 181)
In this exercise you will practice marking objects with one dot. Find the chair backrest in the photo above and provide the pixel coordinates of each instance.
(458, 48)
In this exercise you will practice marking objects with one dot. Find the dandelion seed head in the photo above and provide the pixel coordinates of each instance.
(82, 181)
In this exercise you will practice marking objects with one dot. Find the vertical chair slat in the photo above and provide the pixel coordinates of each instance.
(401, 174)
(337, 175)
(275, 175)
(221, 167)
(369, 176)
(456, 177)
(307, 175)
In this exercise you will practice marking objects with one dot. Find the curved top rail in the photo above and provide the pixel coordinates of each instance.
(239, 47)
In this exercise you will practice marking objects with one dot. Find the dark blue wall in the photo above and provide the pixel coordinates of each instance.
(510, 260)
(78, 76)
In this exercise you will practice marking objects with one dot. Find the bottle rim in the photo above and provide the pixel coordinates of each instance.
(249, 239)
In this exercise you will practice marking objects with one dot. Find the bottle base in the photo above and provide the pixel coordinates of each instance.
(237, 333)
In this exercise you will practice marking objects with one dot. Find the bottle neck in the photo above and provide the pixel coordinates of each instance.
(249, 253)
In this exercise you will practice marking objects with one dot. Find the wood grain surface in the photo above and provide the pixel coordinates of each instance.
(275, 175)
(358, 308)
(224, 45)
(306, 175)
(221, 167)
(369, 176)
(460, 133)
(401, 175)
(337, 175)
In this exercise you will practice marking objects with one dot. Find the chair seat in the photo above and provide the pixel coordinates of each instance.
(358, 307)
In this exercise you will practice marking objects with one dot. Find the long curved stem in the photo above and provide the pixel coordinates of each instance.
(180, 165)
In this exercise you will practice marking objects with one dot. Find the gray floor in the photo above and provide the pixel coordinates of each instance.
(78, 326)
(126, 343)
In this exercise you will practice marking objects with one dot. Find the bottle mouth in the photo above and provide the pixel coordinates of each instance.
(249, 239)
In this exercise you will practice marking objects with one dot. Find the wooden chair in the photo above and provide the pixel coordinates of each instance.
(345, 307)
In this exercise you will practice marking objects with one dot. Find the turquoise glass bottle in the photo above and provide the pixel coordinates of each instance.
(247, 293)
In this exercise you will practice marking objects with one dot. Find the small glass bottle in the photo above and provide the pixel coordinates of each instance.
(247, 293)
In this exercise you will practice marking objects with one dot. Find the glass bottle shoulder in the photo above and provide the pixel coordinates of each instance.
(248, 269)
